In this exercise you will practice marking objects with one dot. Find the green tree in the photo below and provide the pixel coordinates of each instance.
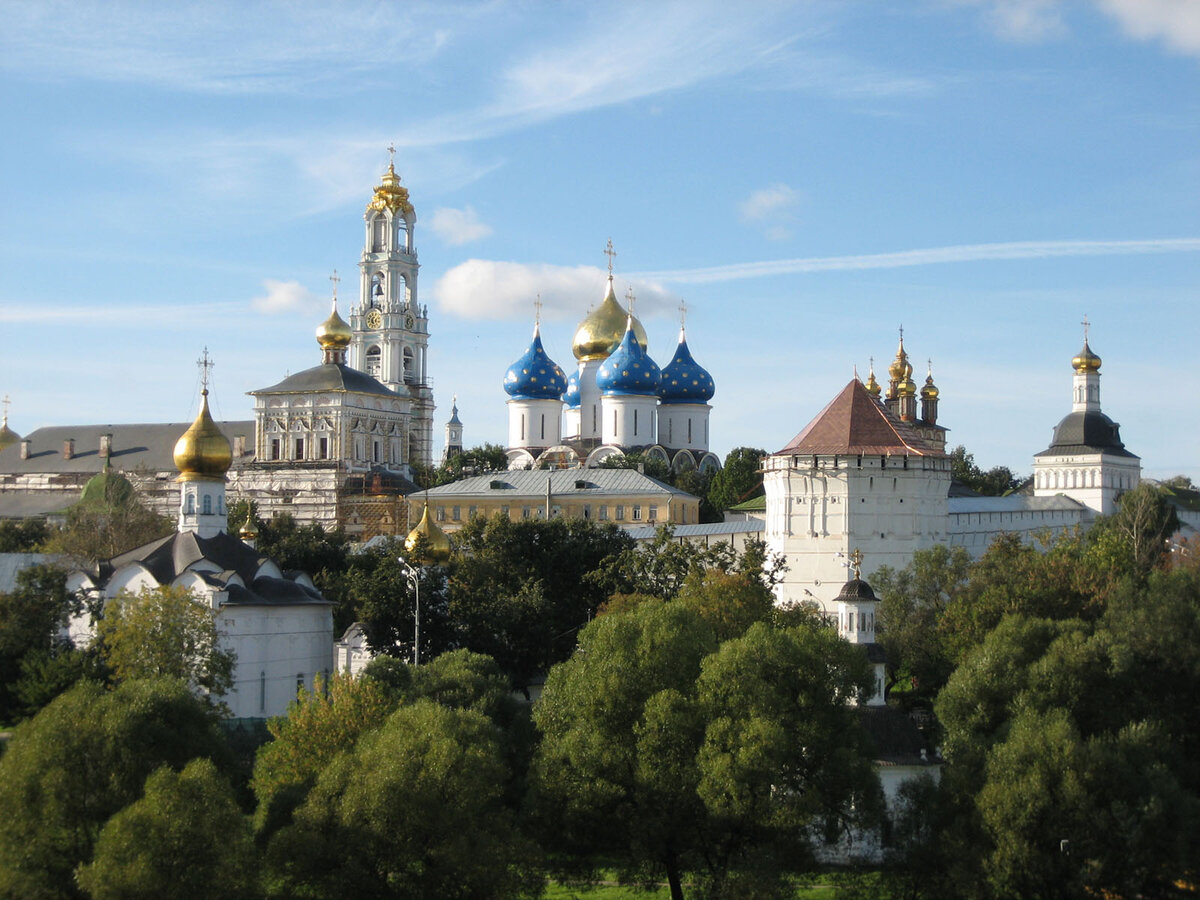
(107, 521)
(79, 761)
(184, 837)
(995, 482)
(740, 478)
(319, 725)
(519, 591)
(165, 631)
(670, 755)
(378, 589)
(651, 466)
(473, 461)
(913, 601)
(37, 661)
(1081, 731)
(729, 602)
(1133, 540)
(415, 810)
(23, 536)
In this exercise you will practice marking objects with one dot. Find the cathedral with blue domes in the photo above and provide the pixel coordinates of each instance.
(617, 400)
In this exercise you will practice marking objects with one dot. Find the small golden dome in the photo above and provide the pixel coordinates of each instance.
(907, 387)
(437, 545)
(203, 451)
(334, 333)
(8, 437)
(600, 333)
(1086, 361)
(930, 390)
(391, 194)
(248, 531)
(872, 385)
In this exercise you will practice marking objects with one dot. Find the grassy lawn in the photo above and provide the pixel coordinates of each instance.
(556, 891)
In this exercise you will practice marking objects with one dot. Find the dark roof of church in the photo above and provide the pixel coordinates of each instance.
(897, 739)
(328, 377)
(855, 422)
(1089, 431)
(147, 447)
(856, 589)
(168, 558)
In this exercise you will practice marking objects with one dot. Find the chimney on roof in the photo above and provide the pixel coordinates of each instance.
(25, 448)
(105, 446)
(69, 448)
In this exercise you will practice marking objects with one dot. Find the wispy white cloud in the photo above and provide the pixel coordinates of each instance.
(488, 289)
(222, 46)
(284, 296)
(772, 208)
(923, 257)
(458, 226)
(1175, 22)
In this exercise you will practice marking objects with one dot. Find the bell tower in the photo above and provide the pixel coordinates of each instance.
(391, 327)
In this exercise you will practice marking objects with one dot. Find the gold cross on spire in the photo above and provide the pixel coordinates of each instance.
(6, 405)
(610, 253)
(335, 278)
(1086, 324)
(205, 363)
(682, 314)
(629, 296)
(537, 309)
(871, 360)
(856, 559)
(929, 362)
(391, 155)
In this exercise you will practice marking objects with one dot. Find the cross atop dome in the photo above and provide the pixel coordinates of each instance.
(610, 253)
(204, 363)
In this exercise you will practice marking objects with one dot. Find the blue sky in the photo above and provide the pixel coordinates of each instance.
(807, 177)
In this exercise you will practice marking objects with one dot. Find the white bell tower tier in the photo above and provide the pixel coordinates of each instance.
(203, 455)
(1086, 459)
(391, 327)
(856, 604)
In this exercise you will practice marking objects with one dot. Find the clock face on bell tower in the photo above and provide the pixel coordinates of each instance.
(374, 319)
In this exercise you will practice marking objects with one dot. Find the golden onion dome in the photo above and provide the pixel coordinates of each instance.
(600, 333)
(872, 385)
(1086, 361)
(907, 387)
(391, 194)
(203, 451)
(929, 390)
(248, 531)
(900, 369)
(437, 544)
(334, 333)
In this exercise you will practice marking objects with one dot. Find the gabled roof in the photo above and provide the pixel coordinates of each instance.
(855, 422)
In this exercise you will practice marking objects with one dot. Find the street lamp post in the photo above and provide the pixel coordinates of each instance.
(414, 579)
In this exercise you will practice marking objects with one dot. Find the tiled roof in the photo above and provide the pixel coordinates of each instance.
(1012, 503)
(710, 529)
(855, 422)
(327, 377)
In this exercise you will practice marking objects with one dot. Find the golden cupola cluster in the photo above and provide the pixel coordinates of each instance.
(1086, 360)
(391, 194)
(437, 544)
(600, 333)
(203, 452)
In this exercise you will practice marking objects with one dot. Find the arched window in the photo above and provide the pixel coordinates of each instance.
(379, 234)
(374, 364)
(189, 504)
(410, 376)
(207, 505)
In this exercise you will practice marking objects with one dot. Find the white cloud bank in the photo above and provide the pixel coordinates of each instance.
(458, 226)
(284, 296)
(1175, 22)
(487, 289)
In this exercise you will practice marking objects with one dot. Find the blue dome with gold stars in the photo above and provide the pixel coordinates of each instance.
(629, 370)
(684, 380)
(535, 376)
(572, 396)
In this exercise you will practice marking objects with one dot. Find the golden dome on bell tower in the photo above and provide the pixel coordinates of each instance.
(1086, 360)
(391, 194)
(203, 451)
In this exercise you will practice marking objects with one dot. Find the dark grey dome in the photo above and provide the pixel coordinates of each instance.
(856, 590)
(1088, 431)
